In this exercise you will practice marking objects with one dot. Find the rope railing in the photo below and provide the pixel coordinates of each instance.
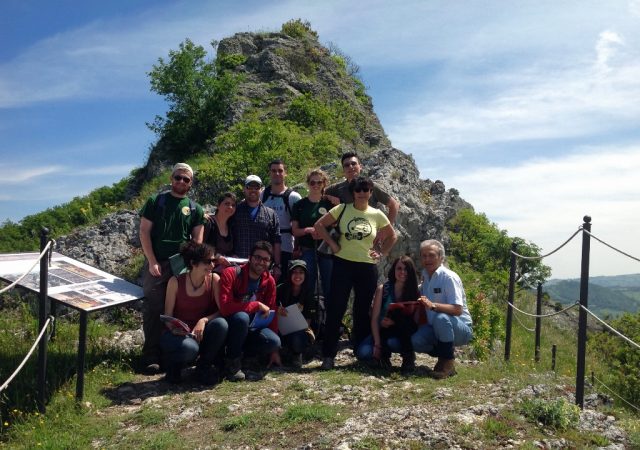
(617, 395)
(611, 246)
(542, 315)
(609, 327)
(44, 252)
(530, 330)
(551, 252)
(26, 358)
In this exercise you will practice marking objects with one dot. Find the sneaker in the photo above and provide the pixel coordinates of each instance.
(151, 369)
(327, 363)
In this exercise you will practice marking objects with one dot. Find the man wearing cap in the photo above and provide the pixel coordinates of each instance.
(253, 222)
(339, 192)
(167, 220)
(281, 199)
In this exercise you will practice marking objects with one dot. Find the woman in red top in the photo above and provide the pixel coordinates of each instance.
(193, 298)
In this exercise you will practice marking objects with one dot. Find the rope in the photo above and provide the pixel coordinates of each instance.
(611, 246)
(609, 326)
(550, 253)
(542, 315)
(530, 330)
(26, 358)
(5, 289)
(611, 390)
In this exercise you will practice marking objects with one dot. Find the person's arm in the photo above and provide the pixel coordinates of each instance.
(170, 296)
(375, 322)
(386, 237)
(394, 207)
(147, 247)
(228, 304)
(297, 231)
(321, 230)
(215, 283)
(197, 234)
(452, 310)
(269, 300)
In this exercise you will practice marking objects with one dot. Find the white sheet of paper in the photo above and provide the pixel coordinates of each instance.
(293, 321)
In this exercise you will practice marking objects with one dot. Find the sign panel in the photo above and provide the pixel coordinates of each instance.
(71, 282)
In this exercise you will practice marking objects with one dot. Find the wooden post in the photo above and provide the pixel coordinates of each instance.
(512, 282)
(538, 321)
(584, 301)
(42, 319)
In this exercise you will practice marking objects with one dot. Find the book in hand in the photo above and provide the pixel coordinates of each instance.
(261, 321)
(293, 321)
(407, 308)
(176, 326)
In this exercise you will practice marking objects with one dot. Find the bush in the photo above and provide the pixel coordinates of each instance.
(230, 61)
(558, 414)
(297, 28)
(623, 359)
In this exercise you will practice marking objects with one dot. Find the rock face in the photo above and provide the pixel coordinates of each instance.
(276, 69)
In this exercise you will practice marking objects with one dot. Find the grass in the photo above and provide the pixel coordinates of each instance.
(283, 410)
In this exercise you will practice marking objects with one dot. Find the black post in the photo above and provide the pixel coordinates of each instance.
(82, 351)
(538, 321)
(42, 319)
(512, 283)
(553, 357)
(584, 301)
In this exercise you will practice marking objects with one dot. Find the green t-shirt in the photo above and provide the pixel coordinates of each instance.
(307, 214)
(358, 230)
(172, 224)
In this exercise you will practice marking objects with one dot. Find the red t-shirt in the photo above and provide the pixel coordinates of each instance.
(191, 309)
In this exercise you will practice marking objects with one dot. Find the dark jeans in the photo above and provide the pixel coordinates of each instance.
(347, 275)
(184, 350)
(155, 290)
(253, 342)
(297, 341)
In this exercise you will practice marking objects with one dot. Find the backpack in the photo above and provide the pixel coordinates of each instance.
(161, 204)
(285, 198)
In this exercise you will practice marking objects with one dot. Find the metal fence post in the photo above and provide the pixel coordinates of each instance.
(538, 321)
(42, 318)
(584, 301)
(512, 282)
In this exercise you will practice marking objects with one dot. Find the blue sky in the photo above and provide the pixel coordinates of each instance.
(531, 109)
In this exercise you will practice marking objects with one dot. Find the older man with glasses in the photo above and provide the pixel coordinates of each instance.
(167, 220)
(339, 192)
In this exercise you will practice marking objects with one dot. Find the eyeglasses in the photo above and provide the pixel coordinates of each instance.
(264, 259)
(186, 180)
(350, 164)
(315, 183)
(361, 189)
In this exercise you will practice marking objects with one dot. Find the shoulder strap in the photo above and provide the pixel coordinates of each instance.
(285, 197)
(340, 217)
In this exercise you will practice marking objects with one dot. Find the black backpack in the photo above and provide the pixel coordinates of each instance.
(161, 204)
(285, 198)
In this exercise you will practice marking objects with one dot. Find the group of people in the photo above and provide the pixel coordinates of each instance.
(274, 249)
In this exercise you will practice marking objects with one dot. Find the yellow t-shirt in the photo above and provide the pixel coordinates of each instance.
(358, 229)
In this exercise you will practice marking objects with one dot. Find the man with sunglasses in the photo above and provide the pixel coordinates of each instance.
(339, 192)
(167, 220)
(245, 292)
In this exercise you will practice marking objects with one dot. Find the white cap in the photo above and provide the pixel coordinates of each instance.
(252, 179)
(182, 166)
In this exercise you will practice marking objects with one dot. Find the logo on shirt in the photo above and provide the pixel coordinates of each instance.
(322, 210)
(186, 211)
(358, 228)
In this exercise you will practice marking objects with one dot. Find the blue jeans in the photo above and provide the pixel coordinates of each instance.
(183, 350)
(298, 341)
(442, 328)
(253, 342)
(325, 264)
(365, 349)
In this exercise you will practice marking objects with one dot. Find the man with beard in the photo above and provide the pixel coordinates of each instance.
(167, 220)
(255, 222)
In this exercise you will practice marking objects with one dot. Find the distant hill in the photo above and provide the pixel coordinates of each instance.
(608, 295)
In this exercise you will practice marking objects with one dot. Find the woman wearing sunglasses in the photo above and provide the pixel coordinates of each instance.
(365, 234)
(192, 297)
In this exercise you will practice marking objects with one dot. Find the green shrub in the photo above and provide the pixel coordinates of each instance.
(558, 414)
(230, 61)
(297, 28)
(622, 358)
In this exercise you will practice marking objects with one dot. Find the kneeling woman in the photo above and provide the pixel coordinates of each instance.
(297, 291)
(192, 298)
(391, 326)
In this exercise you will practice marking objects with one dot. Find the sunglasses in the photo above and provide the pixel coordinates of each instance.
(253, 187)
(361, 189)
(315, 183)
(186, 180)
(264, 259)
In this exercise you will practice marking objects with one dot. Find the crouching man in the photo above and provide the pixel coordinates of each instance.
(448, 319)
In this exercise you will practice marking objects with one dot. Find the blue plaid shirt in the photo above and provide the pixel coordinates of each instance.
(247, 230)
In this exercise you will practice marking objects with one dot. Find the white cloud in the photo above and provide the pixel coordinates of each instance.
(18, 175)
(545, 200)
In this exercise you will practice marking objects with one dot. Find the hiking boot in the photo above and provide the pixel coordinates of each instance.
(446, 369)
(207, 375)
(408, 363)
(174, 374)
(296, 361)
(233, 369)
(327, 363)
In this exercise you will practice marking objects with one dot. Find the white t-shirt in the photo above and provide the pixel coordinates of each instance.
(276, 202)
